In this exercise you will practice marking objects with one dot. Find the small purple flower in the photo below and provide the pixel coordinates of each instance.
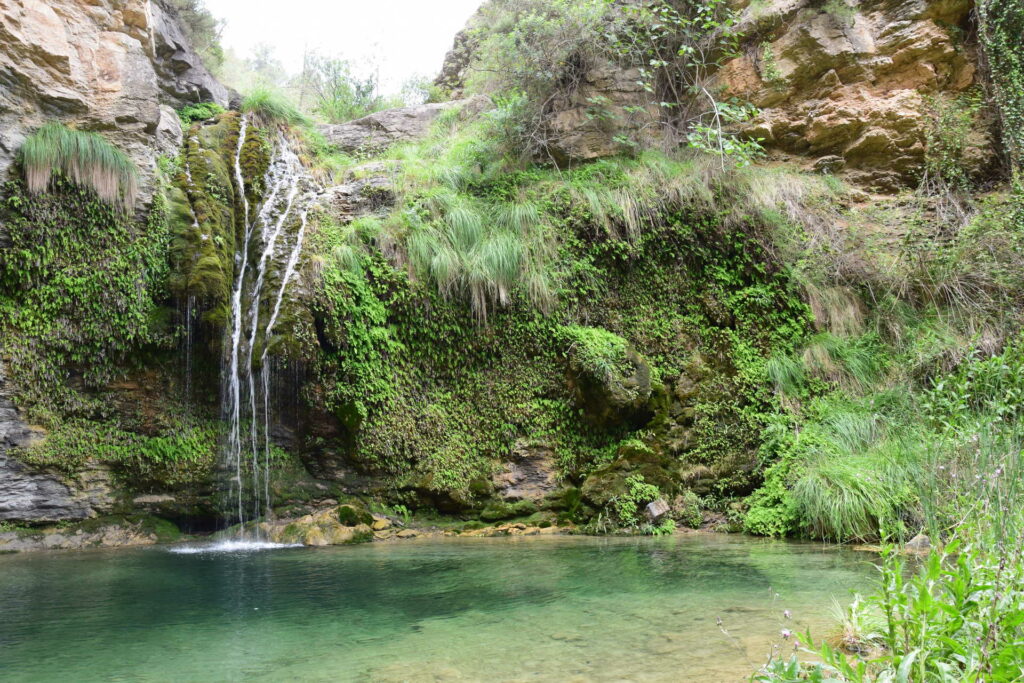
(786, 634)
(787, 614)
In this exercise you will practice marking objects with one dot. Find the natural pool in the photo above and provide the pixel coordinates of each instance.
(518, 609)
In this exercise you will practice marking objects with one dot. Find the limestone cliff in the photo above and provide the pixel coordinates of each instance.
(841, 87)
(843, 90)
(112, 66)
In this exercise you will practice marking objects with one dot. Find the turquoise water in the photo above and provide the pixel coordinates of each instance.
(527, 609)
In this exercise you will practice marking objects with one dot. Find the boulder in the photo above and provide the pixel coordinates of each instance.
(918, 544)
(319, 529)
(656, 510)
(113, 66)
(378, 131)
(632, 457)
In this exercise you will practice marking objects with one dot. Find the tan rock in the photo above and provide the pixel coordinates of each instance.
(381, 523)
(103, 65)
(407, 533)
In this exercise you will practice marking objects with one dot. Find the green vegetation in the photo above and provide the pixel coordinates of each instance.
(629, 506)
(338, 93)
(532, 53)
(271, 106)
(79, 283)
(86, 159)
(199, 112)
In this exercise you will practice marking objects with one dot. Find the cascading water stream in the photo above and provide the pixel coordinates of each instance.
(266, 235)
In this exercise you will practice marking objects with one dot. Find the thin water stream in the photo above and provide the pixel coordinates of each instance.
(527, 609)
(274, 228)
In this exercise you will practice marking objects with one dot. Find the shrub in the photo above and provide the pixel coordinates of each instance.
(87, 159)
(627, 507)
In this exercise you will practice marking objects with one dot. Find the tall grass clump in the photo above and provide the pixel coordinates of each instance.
(270, 106)
(87, 159)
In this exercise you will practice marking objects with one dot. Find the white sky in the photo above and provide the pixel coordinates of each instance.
(404, 37)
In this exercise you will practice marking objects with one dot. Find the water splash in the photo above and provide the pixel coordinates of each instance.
(232, 546)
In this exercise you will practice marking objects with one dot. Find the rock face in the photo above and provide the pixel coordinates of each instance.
(846, 89)
(385, 128)
(530, 474)
(112, 66)
(609, 103)
(842, 87)
(26, 495)
(319, 529)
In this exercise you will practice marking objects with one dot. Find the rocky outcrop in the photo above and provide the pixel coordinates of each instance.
(333, 526)
(378, 131)
(112, 66)
(25, 494)
(608, 107)
(842, 88)
(530, 474)
(111, 534)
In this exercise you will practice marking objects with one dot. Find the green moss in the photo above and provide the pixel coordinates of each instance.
(501, 510)
(352, 515)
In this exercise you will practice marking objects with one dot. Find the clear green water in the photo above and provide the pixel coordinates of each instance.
(528, 609)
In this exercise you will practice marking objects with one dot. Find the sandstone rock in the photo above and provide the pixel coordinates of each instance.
(385, 128)
(367, 189)
(849, 94)
(530, 474)
(381, 524)
(114, 66)
(610, 102)
(319, 529)
(407, 533)
(656, 510)
(918, 544)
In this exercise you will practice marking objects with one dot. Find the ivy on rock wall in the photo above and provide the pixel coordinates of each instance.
(79, 283)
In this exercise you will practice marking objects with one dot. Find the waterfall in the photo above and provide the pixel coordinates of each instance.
(266, 232)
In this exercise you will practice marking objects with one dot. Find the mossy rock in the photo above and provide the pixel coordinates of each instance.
(612, 382)
(503, 510)
(354, 515)
(632, 457)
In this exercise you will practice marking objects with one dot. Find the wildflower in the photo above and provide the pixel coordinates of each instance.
(787, 614)
(786, 634)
